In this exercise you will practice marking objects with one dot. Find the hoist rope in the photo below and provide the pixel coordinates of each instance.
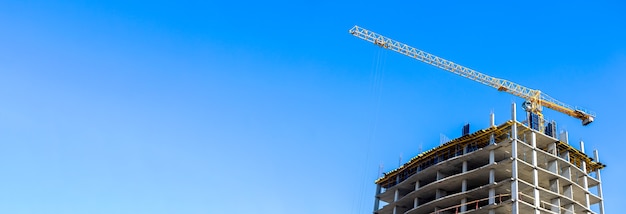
(376, 83)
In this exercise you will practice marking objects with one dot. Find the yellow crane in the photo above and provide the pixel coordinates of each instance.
(535, 99)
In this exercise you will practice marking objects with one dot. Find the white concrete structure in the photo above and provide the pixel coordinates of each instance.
(508, 168)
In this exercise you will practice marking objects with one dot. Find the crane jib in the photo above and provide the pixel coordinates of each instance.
(535, 96)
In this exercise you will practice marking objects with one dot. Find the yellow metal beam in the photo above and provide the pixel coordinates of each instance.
(536, 97)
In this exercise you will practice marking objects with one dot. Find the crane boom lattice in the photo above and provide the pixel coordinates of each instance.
(536, 98)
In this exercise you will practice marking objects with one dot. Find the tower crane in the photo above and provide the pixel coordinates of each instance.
(535, 99)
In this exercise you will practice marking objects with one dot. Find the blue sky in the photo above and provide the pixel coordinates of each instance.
(271, 106)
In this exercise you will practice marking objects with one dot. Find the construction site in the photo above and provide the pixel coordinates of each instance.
(505, 168)
(520, 166)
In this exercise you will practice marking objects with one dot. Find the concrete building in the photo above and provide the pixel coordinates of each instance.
(508, 168)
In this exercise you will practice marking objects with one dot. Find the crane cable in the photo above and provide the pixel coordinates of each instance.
(376, 80)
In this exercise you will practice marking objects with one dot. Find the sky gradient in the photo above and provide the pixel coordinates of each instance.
(272, 106)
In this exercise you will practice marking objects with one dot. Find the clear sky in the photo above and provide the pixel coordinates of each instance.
(272, 106)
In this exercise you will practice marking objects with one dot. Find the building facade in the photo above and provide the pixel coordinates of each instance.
(509, 168)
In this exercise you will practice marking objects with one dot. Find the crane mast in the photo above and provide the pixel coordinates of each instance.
(535, 99)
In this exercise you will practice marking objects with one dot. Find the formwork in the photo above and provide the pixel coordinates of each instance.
(508, 168)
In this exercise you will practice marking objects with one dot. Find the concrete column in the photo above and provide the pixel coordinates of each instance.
(396, 195)
(514, 176)
(492, 190)
(552, 148)
(417, 184)
(533, 143)
(464, 189)
(583, 167)
(582, 146)
(492, 177)
(416, 202)
(566, 172)
(463, 207)
(492, 119)
(464, 167)
(440, 193)
(376, 198)
(601, 204)
(440, 175)
(587, 204)
(556, 205)
(553, 167)
(513, 112)
(492, 196)
(565, 156)
(554, 185)
(564, 137)
(568, 192)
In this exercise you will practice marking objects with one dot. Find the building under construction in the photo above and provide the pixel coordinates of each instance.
(506, 168)
(515, 167)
